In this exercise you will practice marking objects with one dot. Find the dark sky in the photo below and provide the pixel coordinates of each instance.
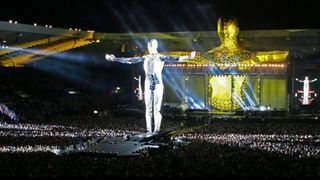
(163, 15)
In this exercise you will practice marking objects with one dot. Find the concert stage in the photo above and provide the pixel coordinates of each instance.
(229, 77)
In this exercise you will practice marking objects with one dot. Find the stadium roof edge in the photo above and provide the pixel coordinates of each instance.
(25, 28)
(210, 34)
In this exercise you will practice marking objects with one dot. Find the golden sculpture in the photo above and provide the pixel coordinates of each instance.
(230, 52)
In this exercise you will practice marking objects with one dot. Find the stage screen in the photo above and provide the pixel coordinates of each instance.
(225, 92)
(239, 83)
(221, 90)
(273, 93)
(195, 91)
(173, 88)
(251, 92)
(191, 90)
(239, 92)
(306, 90)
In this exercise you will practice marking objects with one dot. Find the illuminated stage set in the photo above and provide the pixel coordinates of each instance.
(234, 73)
(228, 78)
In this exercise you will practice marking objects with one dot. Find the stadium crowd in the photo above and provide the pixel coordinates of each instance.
(34, 145)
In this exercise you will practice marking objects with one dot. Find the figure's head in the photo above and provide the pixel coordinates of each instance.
(306, 78)
(228, 31)
(153, 46)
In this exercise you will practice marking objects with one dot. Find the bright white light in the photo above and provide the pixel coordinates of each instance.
(262, 108)
(16, 22)
(35, 24)
(10, 21)
(95, 112)
(72, 92)
(118, 88)
(57, 151)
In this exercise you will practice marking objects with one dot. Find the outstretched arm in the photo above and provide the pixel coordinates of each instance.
(299, 80)
(314, 80)
(178, 59)
(132, 60)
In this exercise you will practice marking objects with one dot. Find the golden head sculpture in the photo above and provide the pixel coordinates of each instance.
(228, 32)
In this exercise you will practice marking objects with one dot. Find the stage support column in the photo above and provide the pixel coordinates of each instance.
(232, 92)
(292, 73)
(183, 85)
(206, 84)
(289, 85)
(259, 89)
(318, 76)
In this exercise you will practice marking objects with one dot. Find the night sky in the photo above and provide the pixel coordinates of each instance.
(163, 15)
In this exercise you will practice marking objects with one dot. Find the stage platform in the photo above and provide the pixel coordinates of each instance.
(119, 146)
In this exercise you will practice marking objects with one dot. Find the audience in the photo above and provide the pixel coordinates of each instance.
(37, 134)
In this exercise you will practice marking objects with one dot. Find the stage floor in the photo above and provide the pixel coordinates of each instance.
(122, 147)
